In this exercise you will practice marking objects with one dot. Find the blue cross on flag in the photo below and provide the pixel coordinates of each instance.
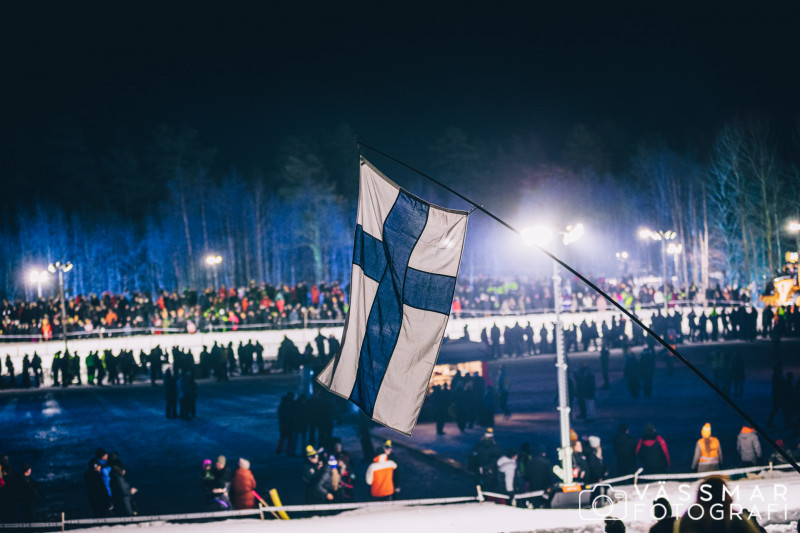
(405, 264)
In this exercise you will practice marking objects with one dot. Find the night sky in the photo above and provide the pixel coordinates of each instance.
(249, 74)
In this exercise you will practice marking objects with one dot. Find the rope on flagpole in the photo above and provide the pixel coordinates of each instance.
(616, 304)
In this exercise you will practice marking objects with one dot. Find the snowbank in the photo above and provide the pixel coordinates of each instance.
(776, 501)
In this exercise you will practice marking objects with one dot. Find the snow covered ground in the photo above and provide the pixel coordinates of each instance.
(271, 339)
(775, 500)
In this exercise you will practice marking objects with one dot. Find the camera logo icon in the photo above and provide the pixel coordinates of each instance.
(599, 502)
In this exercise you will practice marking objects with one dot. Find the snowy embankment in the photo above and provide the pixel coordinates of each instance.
(774, 500)
(271, 340)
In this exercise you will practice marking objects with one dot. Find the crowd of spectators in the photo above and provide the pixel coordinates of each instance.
(264, 305)
(284, 306)
(484, 295)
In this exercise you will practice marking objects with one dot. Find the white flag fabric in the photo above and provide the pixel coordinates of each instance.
(405, 263)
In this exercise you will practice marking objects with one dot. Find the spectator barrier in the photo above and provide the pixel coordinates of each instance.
(261, 510)
(102, 332)
(655, 478)
(480, 497)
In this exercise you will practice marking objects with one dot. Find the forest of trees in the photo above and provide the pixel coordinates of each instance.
(144, 214)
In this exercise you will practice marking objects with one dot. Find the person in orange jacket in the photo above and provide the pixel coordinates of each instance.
(707, 452)
(380, 474)
(243, 485)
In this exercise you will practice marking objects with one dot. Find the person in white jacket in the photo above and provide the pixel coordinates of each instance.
(507, 468)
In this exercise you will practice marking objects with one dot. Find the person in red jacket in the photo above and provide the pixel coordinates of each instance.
(380, 474)
(243, 485)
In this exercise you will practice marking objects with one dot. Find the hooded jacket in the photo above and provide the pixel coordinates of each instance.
(243, 485)
(380, 476)
(653, 453)
(507, 468)
(707, 453)
(748, 446)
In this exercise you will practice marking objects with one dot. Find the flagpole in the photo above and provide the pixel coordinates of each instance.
(611, 300)
(565, 452)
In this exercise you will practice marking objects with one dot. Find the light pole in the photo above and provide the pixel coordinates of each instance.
(794, 227)
(675, 250)
(213, 261)
(622, 257)
(38, 277)
(663, 236)
(60, 267)
(541, 236)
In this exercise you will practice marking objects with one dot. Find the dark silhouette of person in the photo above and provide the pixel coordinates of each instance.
(171, 393)
(99, 499)
(625, 450)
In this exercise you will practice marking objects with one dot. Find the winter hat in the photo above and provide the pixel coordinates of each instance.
(206, 462)
(221, 461)
(706, 431)
(310, 451)
(244, 464)
(573, 436)
(594, 441)
(332, 462)
(747, 429)
(387, 445)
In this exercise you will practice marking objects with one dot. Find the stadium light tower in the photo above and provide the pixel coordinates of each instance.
(214, 261)
(663, 236)
(38, 277)
(60, 268)
(541, 236)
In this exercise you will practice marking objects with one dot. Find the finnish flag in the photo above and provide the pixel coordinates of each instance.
(405, 263)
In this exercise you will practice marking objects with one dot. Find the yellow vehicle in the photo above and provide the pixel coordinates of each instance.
(785, 289)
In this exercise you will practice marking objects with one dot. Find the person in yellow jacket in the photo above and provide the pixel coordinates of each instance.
(707, 452)
(380, 474)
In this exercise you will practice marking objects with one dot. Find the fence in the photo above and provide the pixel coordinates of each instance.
(637, 476)
(106, 333)
(262, 510)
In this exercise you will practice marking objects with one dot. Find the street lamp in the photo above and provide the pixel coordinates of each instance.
(622, 257)
(38, 277)
(213, 261)
(675, 249)
(663, 236)
(60, 267)
(794, 227)
(541, 236)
